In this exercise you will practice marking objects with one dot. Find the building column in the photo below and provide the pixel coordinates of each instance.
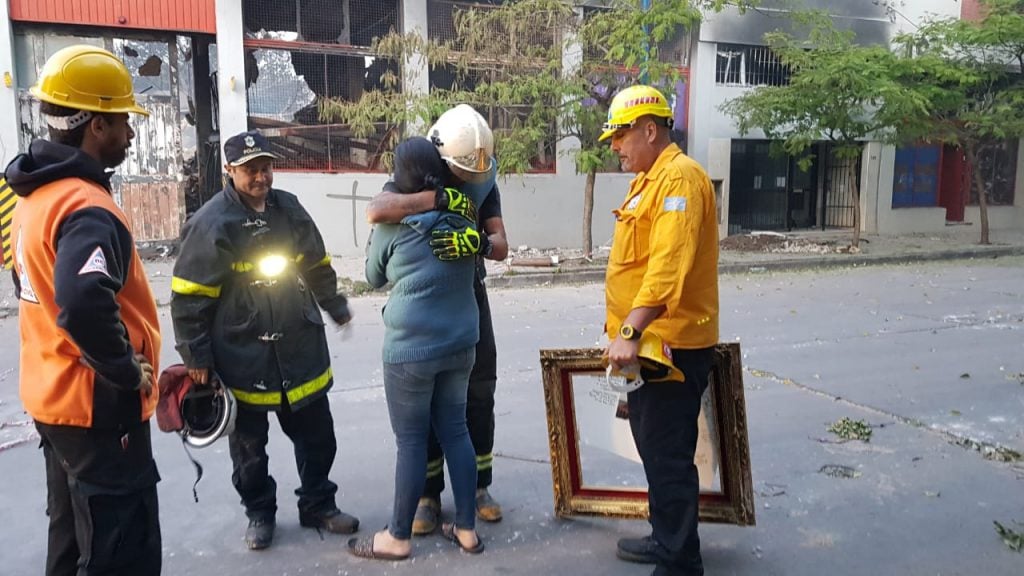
(416, 80)
(871, 160)
(234, 108)
(1018, 189)
(719, 167)
(9, 129)
(567, 148)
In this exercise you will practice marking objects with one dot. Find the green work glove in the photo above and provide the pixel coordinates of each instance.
(451, 245)
(451, 200)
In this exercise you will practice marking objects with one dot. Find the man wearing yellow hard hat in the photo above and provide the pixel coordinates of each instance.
(662, 280)
(90, 339)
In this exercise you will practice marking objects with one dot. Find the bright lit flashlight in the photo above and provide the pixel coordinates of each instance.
(272, 265)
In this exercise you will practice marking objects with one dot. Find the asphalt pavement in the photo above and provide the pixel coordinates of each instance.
(930, 355)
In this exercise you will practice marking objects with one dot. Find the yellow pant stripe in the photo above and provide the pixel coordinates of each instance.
(484, 461)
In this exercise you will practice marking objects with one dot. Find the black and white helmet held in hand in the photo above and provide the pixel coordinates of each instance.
(208, 413)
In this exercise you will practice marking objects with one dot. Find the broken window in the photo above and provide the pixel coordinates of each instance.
(496, 66)
(997, 161)
(743, 65)
(300, 53)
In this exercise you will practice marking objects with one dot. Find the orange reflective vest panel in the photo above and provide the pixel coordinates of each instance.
(58, 386)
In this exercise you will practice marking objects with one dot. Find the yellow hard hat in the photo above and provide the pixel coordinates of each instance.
(632, 103)
(656, 359)
(85, 77)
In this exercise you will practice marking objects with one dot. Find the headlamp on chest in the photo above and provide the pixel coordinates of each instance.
(272, 265)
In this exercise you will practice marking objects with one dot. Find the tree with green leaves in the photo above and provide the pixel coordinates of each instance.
(540, 71)
(971, 76)
(839, 92)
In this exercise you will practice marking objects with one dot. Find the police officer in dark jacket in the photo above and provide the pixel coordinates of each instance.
(248, 287)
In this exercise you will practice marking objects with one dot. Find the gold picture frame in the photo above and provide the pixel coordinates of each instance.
(574, 376)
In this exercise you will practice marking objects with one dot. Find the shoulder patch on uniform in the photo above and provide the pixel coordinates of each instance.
(97, 262)
(634, 202)
(675, 204)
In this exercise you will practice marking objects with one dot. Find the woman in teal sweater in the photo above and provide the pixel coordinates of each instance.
(431, 329)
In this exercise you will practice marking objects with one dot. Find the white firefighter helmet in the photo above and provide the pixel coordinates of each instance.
(466, 143)
(208, 413)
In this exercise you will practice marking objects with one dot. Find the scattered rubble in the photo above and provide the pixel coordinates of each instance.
(776, 243)
(1013, 539)
(839, 471)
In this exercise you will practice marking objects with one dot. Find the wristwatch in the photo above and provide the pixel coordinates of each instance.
(628, 332)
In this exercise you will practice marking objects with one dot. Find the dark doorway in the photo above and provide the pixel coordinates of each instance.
(770, 192)
(954, 183)
(840, 202)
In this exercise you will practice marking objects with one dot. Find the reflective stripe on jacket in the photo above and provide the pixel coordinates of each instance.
(245, 296)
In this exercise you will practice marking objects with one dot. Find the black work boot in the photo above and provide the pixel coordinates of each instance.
(640, 550)
(333, 520)
(260, 533)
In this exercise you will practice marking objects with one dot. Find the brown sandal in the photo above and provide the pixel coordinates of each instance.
(448, 531)
(363, 548)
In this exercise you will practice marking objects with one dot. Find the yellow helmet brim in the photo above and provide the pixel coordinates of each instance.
(131, 108)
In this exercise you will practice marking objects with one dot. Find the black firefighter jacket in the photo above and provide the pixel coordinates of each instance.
(244, 299)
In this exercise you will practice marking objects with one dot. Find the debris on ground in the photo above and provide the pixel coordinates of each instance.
(1013, 539)
(771, 490)
(156, 250)
(775, 243)
(1018, 378)
(848, 429)
(839, 471)
(351, 287)
(527, 256)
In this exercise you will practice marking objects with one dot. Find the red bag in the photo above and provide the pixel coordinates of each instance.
(174, 384)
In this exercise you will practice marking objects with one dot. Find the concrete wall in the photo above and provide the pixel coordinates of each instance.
(915, 12)
(541, 211)
(8, 93)
(234, 105)
(891, 220)
(718, 166)
(1018, 196)
(708, 122)
(865, 18)
(999, 217)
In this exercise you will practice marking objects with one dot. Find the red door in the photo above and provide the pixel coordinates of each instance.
(954, 182)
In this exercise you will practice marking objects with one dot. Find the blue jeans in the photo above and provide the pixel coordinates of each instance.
(421, 394)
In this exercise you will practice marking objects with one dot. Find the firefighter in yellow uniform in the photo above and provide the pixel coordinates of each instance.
(90, 339)
(663, 279)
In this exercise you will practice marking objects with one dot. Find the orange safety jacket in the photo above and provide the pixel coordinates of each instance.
(86, 307)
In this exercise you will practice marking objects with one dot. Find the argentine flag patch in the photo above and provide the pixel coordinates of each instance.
(675, 204)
